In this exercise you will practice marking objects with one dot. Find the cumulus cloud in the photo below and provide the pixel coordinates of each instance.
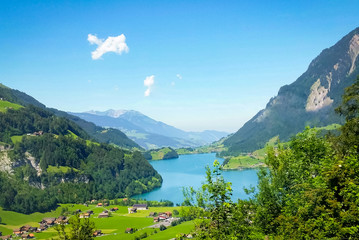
(111, 44)
(148, 82)
(179, 76)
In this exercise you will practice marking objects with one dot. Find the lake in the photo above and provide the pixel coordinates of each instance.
(189, 170)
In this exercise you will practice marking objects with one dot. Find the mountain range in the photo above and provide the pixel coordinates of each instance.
(309, 101)
(147, 132)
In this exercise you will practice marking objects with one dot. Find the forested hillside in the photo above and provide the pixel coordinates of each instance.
(100, 134)
(309, 190)
(46, 159)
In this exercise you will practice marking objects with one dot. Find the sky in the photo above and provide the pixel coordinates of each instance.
(195, 64)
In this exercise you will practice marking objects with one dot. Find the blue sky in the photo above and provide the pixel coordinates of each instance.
(211, 64)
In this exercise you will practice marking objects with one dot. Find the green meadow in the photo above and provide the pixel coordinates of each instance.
(113, 227)
(5, 105)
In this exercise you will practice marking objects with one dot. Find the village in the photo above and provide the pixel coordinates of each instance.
(96, 210)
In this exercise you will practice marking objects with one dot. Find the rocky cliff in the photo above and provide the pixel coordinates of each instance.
(309, 101)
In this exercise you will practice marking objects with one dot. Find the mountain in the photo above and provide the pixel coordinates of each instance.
(46, 159)
(148, 132)
(112, 136)
(309, 101)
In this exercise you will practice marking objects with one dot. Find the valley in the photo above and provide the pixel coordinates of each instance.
(179, 120)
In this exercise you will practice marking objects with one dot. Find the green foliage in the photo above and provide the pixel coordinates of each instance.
(309, 191)
(71, 169)
(5, 105)
(160, 154)
(80, 229)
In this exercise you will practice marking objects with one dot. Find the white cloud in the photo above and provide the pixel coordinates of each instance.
(179, 76)
(148, 82)
(111, 44)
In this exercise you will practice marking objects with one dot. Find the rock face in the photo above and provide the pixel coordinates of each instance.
(310, 100)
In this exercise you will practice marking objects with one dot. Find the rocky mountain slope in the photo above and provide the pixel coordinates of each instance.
(309, 101)
(148, 132)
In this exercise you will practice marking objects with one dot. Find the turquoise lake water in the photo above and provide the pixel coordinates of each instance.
(189, 170)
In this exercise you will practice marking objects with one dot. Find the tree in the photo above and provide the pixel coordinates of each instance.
(80, 229)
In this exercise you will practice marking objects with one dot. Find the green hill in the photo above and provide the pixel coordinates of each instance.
(110, 136)
(47, 159)
(160, 154)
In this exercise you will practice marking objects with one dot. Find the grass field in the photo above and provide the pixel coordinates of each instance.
(5, 105)
(113, 227)
(60, 169)
(159, 154)
(242, 162)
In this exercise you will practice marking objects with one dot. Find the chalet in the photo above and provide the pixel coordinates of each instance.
(97, 233)
(129, 230)
(25, 236)
(132, 210)
(140, 206)
(25, 228)
(61, 219)
(17, 231)
(103, 215)
(85, 215)
(115, 208)
(6, 237)
(99, 204)
(48, 221)
(41, 228)
(31, 235)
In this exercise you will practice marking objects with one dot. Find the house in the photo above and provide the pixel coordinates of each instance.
(17, 231)
(32, 229)
(6, 237)
(103, 215)
(48, 221)
(132, 210)
(25, 228)
(115, 208)
(31, 235)
(156, 219)
(129, 230)
(97, 233)
(162, 217)
(41, 228)
(99, 204)
(60, 219)
(140, 206)
(169, 214)
(85, 215)
(78, 211)
(25, 236)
